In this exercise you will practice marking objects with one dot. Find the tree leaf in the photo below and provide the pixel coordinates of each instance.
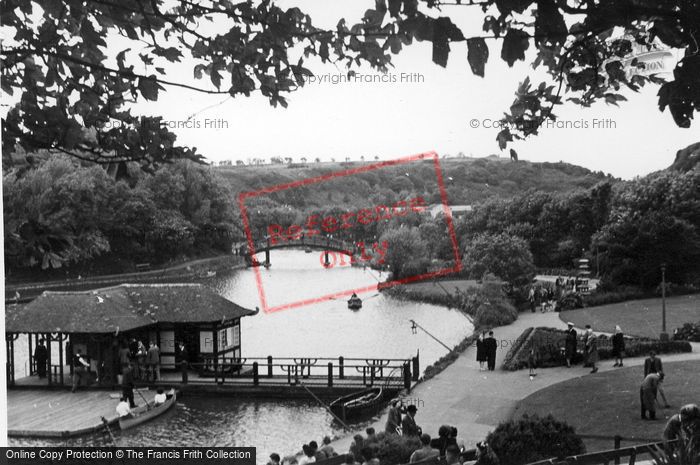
(477, 55)
(550, 27)
(149, 88)
(394, 8)
(441, 44)
(515, 43)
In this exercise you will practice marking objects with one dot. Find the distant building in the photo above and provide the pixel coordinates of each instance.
(455, 210)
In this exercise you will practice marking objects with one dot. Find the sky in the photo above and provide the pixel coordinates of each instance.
(425, 108)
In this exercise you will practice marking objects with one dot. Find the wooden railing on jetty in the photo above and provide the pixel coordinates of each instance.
(318, 371)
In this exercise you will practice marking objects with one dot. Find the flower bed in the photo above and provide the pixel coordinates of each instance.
(549, 348)
(688, 332)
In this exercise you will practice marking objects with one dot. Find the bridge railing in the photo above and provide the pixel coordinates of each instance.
(389, 373)
(261, 245)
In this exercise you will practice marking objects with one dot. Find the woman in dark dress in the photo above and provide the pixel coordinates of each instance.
(618, 346)
(481, 351)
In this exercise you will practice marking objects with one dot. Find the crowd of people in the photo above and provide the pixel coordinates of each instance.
(144, 363)
(401, 421)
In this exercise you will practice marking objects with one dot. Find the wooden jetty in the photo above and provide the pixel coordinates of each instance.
(58, 414)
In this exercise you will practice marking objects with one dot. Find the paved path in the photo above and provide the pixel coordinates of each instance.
(476, 401)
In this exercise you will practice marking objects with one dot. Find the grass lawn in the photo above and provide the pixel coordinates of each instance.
(638, 317)
(448, 285)
(608, 403)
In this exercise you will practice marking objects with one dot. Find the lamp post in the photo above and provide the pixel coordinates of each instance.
(664, 334)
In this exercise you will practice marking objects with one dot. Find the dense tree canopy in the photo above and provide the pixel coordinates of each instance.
(62, 213)
(76, 80)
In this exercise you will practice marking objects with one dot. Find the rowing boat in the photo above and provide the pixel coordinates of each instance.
(358, 404)
(147, 412)
(354, 303)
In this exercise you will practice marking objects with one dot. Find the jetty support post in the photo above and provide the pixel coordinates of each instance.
(341, 368)
(32, 371)
(407, 376)
(215, 352)
(48, 339)
(330, 374)
(326, 260)
(256, 378)
(267, 257)
(416, 366)
(269, 366)
(371, 375)
(618, 440)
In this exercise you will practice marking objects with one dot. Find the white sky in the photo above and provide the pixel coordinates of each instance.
(397, 119)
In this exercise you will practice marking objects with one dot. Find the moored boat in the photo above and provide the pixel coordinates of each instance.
(358, 404)
(148, 411)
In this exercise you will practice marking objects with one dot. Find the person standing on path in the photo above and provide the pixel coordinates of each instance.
(618, 346)
(393, 422)
(480, 351)
(490, 346)
(653, 365)
(408, 424)
(584, 341)
(40, 358)
(647, 394)
(592, 350)
(570, 344)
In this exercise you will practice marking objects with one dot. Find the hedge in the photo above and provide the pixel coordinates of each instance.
(549, 342)
(508, 359)
(688, 332)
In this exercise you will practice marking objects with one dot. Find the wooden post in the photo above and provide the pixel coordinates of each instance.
(60, 359)
(618, 439)
(215, 352)
(255, 374)
(330, 374)
(47, 338)
(371, 375)
(364, 376)
(407, 376)
(341, 368)
(269, 366)
(416, 366)
(31, 355)
(267, 257)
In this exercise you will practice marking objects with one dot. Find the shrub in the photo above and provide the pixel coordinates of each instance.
(495, 313)
(549, 342)
(688, 332)
(532, 438)
(569, 301)
(620, 294)
(392, 449)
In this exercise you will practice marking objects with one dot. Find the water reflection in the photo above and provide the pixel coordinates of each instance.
(380, 329)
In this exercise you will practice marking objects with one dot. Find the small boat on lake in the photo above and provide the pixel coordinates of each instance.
(143, 413)
(307, 250)
(358, 404)
(354, 303)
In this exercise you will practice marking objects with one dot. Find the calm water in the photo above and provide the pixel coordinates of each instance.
(329, 329)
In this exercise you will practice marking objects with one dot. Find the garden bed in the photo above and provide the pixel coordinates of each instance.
(549, 348)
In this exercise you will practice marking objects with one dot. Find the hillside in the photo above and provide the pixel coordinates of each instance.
(468, 180)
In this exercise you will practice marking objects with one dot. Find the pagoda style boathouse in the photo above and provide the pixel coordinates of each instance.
(101, 322)
(104, 324)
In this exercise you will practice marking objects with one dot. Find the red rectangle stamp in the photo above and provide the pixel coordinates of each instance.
(338, 233)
